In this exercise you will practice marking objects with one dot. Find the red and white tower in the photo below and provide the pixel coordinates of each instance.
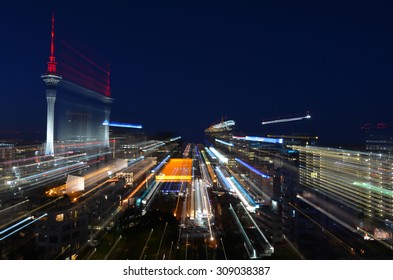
(51, 79)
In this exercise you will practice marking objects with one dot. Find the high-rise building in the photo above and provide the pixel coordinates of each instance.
(51, 79)
(360, 181)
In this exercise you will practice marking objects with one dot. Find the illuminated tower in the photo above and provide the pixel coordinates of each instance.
(107, 100)
(51, 79)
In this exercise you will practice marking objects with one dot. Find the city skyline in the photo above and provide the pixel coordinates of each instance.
(239, 131)
(182, 67)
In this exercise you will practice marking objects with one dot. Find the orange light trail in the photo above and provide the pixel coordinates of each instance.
(177, 169)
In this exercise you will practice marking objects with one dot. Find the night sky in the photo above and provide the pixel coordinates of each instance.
(182, 65)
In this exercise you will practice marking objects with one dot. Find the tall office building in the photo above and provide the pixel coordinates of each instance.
(361, 181)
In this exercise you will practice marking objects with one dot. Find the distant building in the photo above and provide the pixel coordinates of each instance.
(379, 137)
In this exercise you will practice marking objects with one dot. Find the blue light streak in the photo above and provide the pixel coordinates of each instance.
(260, 139)
(18, 229)
(223, 179)
(117, 124)
(253, 169)
(15, 225)
(243, 194)
(212, 156)
(161, 164)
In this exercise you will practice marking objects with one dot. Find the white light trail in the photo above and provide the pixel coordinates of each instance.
(242, 194)
(175, 138)
(152, 146)
(259, 230)
(15, 205)
(333, 217)
(225, 143)
(220, 156)
(287, 120)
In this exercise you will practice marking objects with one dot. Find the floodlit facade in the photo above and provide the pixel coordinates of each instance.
(363, 181)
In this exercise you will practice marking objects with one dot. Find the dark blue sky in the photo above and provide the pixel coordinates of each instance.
(182, 65)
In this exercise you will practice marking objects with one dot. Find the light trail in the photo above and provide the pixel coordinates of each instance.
(185, 208)
(103, 173)
(137, 188)
(223, 142)
(15, 205)
(361, 180)
(257, 191)
(198, 200)
(192, 201)
(153, 147)
(220, 156)
(212, 156)
(74, 199)
(10, 162)
(143, 170)
(174, 138)
(334, 218)
(48, 173)
(125, 125)
(144, 247)
(335, 238)
(242, 194)
(178, 199)
(258, 229)
(293, 136)
(296, 250)
(25, 225)
(208, 166)
(112, 248)
(90, 93)
(366, 233)
(259, 139)
(55, 160)
(287, 120)
(208, 210)
(151, 192)
(223, 179)
(164, 161)
(15, 225)
(253, 169)
(34, 210)
(249, 247)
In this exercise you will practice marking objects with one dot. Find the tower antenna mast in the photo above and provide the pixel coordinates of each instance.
(108, 88)
(52, 61)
